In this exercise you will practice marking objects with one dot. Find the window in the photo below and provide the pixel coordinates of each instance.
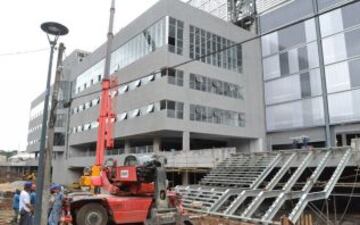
(162, 104)
(343, 76)
(121, 117)
(350, 14)
(271, 67)
(171, 109)
(174, 109)
(281, 90)
(175, 36)
(331, 23)
(87, 126)
(284, 64)
(305, 85)
(123, 89)
(149, 109)
(202, 83)
(94, 124)
(354, 67)
(134, 113)
(60, 120)
(295, 87)
(334, 48)
(352, 40)
(203, 42)
(175, 77)
(147, 79)
(217, 116)
(87, 105)
(337, 77)
(95, 101)
(292, 36)
(59, 139)
(292, 11)
(269, 44)
(134, 84)
(303, 113)
(344, 106)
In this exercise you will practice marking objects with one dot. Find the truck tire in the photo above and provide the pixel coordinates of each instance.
(92, 214)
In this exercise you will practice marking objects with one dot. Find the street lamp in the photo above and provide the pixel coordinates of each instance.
(53, 31)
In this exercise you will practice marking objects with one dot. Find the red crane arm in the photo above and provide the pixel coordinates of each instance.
(106, 121)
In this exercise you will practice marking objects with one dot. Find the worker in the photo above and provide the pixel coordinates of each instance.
(56, 205)
(33, 194)
(15, 205)
(25, 207)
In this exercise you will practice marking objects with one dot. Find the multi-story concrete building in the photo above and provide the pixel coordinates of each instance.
(310, 58)
(194, 113)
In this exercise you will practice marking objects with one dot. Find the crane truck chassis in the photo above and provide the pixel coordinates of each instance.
(134, 193)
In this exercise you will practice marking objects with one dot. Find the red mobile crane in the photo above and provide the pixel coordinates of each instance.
(133, 193)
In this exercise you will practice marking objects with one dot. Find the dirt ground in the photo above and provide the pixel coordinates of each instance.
(6, 214)
(209, 220)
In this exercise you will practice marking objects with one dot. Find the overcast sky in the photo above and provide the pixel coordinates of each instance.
(23, 76)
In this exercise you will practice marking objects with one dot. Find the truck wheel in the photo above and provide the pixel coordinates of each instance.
(92, 214)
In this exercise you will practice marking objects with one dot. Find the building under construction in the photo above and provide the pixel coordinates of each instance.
(206, 109)
(228, 108)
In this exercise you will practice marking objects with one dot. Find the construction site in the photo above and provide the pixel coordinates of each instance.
(198, 112)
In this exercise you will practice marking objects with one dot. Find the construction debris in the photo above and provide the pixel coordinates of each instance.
(11, 187)
(256, 187)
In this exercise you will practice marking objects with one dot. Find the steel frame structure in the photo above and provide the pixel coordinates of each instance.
(248, 186)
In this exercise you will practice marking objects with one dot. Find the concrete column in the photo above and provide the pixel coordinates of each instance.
(355, 144)
(186, 141)
(157, 144)
(185, 178)
(127, 147)
(343, 139)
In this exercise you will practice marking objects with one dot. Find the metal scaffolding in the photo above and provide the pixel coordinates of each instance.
(256, 186)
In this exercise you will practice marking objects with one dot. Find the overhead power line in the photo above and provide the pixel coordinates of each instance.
(23, 52)
(253, 38)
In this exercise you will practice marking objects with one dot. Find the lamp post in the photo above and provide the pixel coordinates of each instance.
(53, 31)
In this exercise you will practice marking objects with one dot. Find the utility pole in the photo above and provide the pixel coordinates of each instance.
(54, 30)
(50, 134)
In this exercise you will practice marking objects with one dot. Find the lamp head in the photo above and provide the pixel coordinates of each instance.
(54, 28)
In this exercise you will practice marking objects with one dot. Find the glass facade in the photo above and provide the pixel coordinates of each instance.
(340, 32)
(203, 42)
(290, 11)
(291, 68)
(166, 31)
(292, 78)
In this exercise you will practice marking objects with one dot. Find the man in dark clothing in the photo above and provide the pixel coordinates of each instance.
(15, 205)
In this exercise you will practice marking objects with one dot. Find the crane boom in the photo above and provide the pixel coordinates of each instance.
(106, 117)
